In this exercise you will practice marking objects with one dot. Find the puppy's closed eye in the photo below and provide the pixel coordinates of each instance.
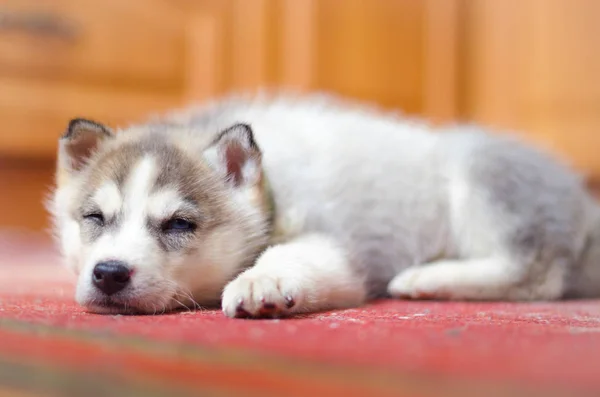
(178, 225)
(95, 217)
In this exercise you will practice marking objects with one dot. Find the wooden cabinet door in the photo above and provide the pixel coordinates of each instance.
(533, 66)
(397, 53)
(112, 60)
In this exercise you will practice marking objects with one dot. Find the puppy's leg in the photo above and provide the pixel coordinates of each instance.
(518, 224)
(491, 278)
(308, 274)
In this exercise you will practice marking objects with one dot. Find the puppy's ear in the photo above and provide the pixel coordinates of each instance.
(235, 156)
(80, 140)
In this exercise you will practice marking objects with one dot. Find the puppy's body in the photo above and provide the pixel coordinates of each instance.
(326, 205)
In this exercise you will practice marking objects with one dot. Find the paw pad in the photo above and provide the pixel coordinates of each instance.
(260, 296)
(289, 302)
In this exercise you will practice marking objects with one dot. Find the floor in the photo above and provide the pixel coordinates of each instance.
(50, 346)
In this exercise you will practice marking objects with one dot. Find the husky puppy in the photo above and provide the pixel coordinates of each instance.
(273, 206)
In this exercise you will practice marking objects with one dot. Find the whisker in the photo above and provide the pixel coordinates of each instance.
(189, 296)
(189, 310)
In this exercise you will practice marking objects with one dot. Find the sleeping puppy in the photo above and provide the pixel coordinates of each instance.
(272, 206)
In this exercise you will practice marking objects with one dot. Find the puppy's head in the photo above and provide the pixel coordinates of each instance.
(153, 219)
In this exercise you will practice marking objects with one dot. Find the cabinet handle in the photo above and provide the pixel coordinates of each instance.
(39, 24)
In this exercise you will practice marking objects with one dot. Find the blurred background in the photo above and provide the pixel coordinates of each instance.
(530, 66)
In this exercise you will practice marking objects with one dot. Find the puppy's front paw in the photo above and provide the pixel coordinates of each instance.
(257, 294)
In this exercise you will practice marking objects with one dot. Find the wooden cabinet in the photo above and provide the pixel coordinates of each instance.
(523, 65)
(532, 66)
(396, 53)
(111, 60)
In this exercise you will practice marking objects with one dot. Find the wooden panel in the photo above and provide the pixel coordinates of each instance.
(230, 47)
(205, 72)
(376, 51)
(33, 114)
(372, 50)
(493, 57)
(441, 60)
(561, 101)
(298, 45)
(134, 42)
(24, 186)
(532, 65)
(367, 50)
(250, 55)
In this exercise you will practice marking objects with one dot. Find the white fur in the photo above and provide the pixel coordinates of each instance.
(312, 270)
(367, 203)
(66, 229)
(108, 199)
(163, 204)
(479, 279)
(131, 243)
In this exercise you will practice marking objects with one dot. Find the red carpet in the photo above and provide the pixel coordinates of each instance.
(50, 346)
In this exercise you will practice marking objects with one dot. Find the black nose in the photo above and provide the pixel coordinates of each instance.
(111, 277)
